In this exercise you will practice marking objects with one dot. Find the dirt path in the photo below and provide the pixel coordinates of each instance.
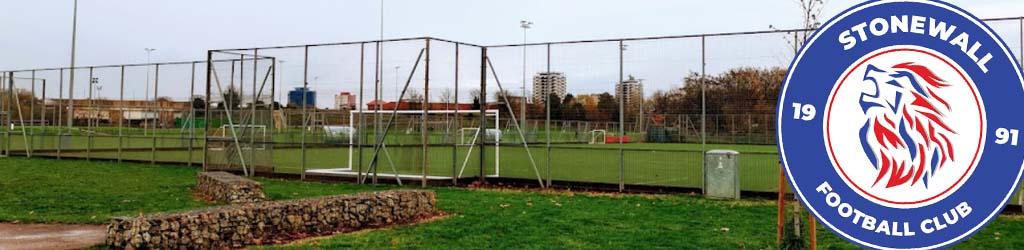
(50, 236)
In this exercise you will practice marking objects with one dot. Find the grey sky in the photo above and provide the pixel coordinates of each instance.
(36, 34)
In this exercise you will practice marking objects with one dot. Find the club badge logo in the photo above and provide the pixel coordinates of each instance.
(915, 104)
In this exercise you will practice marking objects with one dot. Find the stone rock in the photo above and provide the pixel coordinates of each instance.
(240, 225)
(228, 188)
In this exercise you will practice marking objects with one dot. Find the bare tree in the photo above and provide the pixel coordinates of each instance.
(413, 95)
(446, 95)
(810, 11)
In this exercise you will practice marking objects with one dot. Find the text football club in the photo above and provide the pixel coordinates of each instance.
(898, 126)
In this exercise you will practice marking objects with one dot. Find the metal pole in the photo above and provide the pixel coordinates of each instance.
(379, 82)
(191, 112)
(71, 83)
(523, 100)
(145, 129)
(359, 147)
(280, 95)
(483, 112)
(9, 105)
(32, 115)
(547, 115)
(120, 120)
(3, 110)
(622, 121)
(423, 117)
(703, 110)
(305, 119)
(377, 94)
(60, 113)
(458, 120)
(252, 116)
(206, 110)
(156, 118)
(89, 113)
(273, 84)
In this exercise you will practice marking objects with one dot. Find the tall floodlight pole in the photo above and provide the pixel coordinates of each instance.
(382, 20)
(71, 83)
(94, 86)
(526, 26)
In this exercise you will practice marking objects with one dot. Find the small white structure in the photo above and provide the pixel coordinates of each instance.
(467, 137)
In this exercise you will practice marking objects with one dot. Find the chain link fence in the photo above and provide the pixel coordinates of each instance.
(630, 114)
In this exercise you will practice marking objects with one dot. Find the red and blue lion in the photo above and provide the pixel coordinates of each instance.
(905, 134)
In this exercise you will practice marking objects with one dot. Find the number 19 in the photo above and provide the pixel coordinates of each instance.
(804, 112)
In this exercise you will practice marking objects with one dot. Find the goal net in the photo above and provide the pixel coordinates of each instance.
(245, 136)
(598, 136)
(452, 141)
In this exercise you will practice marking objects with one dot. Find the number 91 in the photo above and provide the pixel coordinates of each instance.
(1004, 135)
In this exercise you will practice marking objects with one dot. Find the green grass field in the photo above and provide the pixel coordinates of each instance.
(53, 191)
(652, 164)
(647, 164)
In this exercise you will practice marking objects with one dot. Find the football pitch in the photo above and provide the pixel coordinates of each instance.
(646, 164)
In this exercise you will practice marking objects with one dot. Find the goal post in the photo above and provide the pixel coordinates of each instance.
(458, 128)
(598, 136)
(244, 132)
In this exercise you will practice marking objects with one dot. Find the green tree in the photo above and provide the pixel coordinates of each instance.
(607, 108)
(556, 106)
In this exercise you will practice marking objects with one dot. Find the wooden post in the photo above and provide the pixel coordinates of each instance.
(813, 233)
(781, 221)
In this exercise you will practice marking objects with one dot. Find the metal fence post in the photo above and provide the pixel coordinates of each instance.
(206, 110)
(156, 109)
(423, 117)
(88, 118)
(253, 115)
(120, 120)
(191, 113)
(483, 119)
(30, 144)
(378, 94)
(622, 120)
(458, 121)
(8, 105)
(360, 132)
(547, 116)
(60, 114)
(273, 90)
(703, 110)
(305, 119)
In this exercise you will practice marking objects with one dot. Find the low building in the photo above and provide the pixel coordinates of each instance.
(404, 105)
(301, 97)
(135, 113)
(345, 100)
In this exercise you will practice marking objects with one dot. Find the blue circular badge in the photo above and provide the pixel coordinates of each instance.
(899, 124)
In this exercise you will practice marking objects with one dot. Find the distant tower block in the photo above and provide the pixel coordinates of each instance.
(548, 82)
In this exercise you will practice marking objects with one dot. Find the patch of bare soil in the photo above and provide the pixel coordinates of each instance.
(50, 236)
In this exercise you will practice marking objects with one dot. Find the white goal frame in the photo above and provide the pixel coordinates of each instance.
(472, 145)
(594, 133)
